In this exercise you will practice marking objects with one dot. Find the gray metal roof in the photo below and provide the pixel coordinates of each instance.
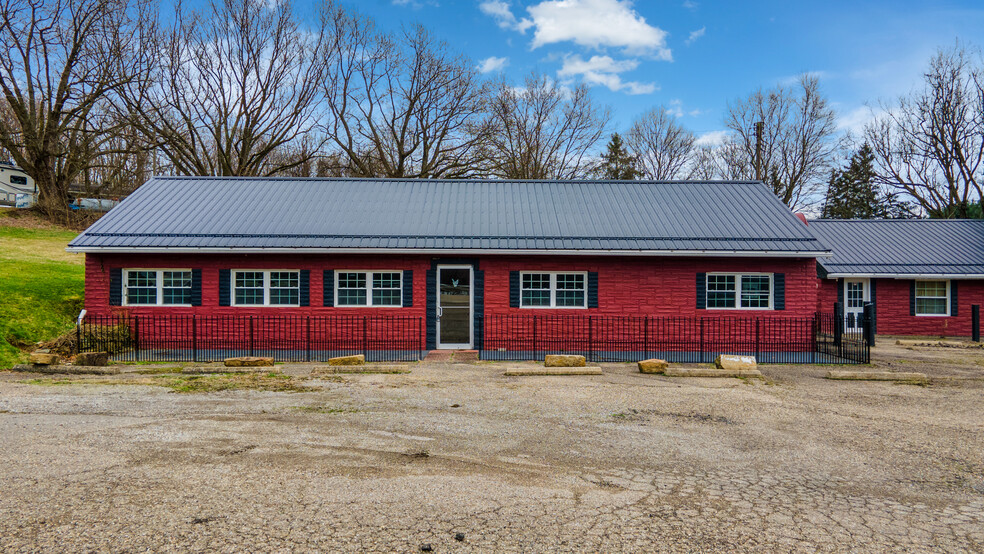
(898, 247)
(197, 213)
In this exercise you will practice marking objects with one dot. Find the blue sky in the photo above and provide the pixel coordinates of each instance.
(694, 56)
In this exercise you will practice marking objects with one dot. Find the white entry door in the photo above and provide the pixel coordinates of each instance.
(454, 307)
(856, 293)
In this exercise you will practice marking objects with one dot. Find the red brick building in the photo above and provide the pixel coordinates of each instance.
(921, 275)
(455, 253)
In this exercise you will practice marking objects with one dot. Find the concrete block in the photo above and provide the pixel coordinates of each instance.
(654, 365)
(707, 372)
(465, 356)
(248, 361)
(358, 359)
(367, 368)
(564, 360)
(875, 376)
(536, 370)
(734, 362)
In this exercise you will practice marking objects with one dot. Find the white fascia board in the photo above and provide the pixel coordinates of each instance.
(469, 251)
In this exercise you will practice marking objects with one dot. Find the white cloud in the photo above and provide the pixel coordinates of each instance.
(415, 4)
(694, 35)
(603, 70)
(501, 11)
(712, 138)
(855, 120)
(690, 4)
(492, 63)
(595, 24)
(676, 108)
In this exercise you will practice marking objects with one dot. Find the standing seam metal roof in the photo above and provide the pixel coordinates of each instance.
(257, 213)
(902, 246)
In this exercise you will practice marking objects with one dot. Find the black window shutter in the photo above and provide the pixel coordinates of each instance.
(329, 288)
(953, 299)
(430, 323)
(196, 287)
(225, 282)
(407, 288)
(592, 289)
(115, 286)
(305, 284)
(840, 291)
(779, 295)
(912, 298)
(513, 289)
(701, 291)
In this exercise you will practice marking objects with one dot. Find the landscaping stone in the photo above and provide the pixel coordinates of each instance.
(875, 376)
(938, 343)
(248, 361)
(348, 360)
(734, 362)
(708, 372)
(43, 358)
(66, 369)
(92, 358)
(562, 370)
(654, 365)
(564, 360)
(198, 370)
(367, 368)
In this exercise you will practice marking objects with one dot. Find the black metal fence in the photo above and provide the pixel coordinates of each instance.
(177, 338)
(783, 340)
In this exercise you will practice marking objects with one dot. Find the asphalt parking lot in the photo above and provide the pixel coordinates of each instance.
(617, 462)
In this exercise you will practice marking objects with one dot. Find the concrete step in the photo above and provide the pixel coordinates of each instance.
(537, 370)
(875, 376)
(367, 368)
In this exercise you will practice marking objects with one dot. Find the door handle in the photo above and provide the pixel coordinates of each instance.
(440, 311)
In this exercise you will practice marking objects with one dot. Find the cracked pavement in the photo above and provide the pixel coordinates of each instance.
(618, 462)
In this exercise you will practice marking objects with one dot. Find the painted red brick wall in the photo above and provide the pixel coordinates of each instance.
(892, 302)
(626, 286)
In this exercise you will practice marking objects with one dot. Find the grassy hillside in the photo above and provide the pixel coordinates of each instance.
(41, 285)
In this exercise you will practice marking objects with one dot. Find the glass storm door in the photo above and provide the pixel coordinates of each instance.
(454, 306)
(856, 293)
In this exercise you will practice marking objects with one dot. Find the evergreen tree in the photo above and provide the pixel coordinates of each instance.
(616, 162)
(853, 194)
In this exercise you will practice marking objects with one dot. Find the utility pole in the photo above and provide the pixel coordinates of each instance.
(759, 129)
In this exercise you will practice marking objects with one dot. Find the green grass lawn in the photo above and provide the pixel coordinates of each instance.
(41, 285)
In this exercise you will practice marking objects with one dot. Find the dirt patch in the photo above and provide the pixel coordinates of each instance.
(274, 382)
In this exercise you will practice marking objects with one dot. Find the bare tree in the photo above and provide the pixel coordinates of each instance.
(799, 140)
(65, 62)
(401, 105)
(542, 131)
(663, 148)
(235, 84)
(930, 145)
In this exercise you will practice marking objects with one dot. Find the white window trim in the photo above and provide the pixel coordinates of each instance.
(266, 288)
(159, 280)
(553, 290)
(947, 298)
(738, 276)
(368, 288)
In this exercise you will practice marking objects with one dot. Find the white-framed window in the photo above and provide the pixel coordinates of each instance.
(933, 298)
(157, 287)
(354, 288)
(276, 287)
(739, 291)
(543, 289)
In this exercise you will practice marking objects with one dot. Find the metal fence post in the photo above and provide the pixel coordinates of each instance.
(590, 338)
(701, 353)
(136, 338)
(194, 339)
(757, 337)
(307, 338)
(534, 338)
(365, 337)
(78, 337)
(645, 337)
(975, 322)
(250, 335)
(868, 324)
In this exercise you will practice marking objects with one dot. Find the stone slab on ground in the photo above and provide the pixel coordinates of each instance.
(536, 370)
(735, 362)
(204, 369)
(709, 372)
(358, 359)
(564, 360)
(366, 368)
(653, 365)
(92, 358)
(248, 361)
(43, 358)
(875, 376)
(66, 369)
(939, 343)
